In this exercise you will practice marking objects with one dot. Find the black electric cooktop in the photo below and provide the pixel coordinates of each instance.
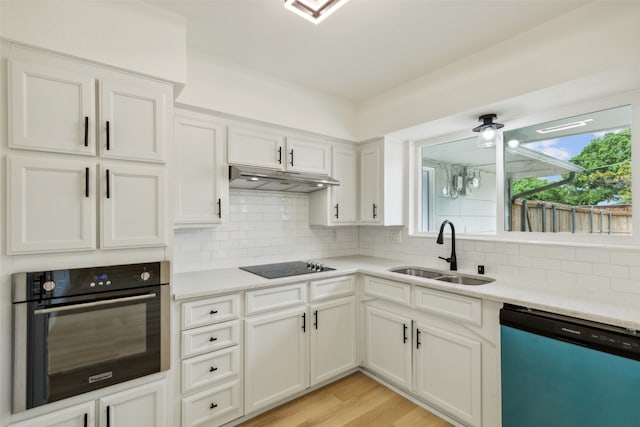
(286, 269)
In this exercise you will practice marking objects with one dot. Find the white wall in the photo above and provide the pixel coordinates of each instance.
(125, 34)
(263, 227)
(596, 43)
(231, 89)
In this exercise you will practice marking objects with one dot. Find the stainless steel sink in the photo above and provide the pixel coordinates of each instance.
(444, 276)
(420, 272)
(465, 280)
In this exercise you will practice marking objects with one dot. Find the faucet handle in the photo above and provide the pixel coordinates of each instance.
(446, 259)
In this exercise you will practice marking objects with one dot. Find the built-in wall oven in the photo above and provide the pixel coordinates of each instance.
(77, 330)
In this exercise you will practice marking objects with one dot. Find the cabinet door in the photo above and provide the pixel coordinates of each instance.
(370, 184)
(344, 197)
(142, 406)
(448, 372)
(389, 345)
(51, 109)
(199, 172)
(51, 205)
(255, 148)
(276, 357)
(304, 155)
(132, 206)
(82, 415)
(132, 121)
(333, 338)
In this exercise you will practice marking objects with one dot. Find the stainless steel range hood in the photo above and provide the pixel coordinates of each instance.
(267, 179)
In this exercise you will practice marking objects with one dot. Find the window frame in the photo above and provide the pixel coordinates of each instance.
(540, 116)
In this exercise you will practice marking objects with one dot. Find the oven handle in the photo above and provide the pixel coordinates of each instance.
(93, 304)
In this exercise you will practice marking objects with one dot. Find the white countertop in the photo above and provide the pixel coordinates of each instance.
(220, 281)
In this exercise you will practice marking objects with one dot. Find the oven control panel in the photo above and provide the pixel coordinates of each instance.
(61, 283)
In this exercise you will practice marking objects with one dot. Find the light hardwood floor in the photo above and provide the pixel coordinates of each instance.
(356, 400)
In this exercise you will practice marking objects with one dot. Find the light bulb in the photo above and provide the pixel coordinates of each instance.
(488, 133)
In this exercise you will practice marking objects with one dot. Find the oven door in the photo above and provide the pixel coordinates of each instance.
(77, 345)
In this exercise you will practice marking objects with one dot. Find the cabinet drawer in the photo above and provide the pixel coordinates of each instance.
(399, 293)
(329, 288)
(210, 369)
(276, 298)
(457, 307)
(214, 407)
(211, 310)
(210, 338)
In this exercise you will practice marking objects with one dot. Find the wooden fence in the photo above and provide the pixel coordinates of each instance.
(559, 218)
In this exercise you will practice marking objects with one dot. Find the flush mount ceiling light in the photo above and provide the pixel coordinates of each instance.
(565, 126)
(315, 11)
(489, 134)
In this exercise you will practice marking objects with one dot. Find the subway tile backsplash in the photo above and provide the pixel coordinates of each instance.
(273, 227)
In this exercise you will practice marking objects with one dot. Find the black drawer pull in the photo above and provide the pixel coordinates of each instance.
(291, 157)
(337, 213)
(86, 182)
(375, 211)
(404, 336)
(108, 136)
(418, 339)
(86, 131)
(213, 312)
(108, 177)
(304, 322)
(213, 406)
(219, 208)
(213, 369)
(212, 339)
(279, 155)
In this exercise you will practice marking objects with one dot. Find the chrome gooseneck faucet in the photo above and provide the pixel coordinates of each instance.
(453, 263)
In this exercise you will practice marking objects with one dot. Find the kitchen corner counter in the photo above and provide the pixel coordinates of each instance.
(200, 284)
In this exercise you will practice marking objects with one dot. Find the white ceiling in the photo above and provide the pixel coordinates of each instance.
(365, 48)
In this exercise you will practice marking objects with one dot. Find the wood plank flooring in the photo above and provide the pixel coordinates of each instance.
(353, 401)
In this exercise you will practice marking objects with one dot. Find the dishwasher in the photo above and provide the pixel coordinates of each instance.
(565, 372)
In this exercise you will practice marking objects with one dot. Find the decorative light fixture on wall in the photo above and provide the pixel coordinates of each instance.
(315, 11)
(489, 133)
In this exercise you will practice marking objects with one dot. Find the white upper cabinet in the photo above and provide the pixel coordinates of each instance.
(255, 148)
(304, 155)
(131, 121)
(51, 109)
(132, 206)
(381, 183)
(51, 205)
(338, 204)
(202, 191)
(270, 149)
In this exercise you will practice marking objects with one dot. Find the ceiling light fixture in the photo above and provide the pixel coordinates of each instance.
(315, 11)
(558, 128)
(489, 133)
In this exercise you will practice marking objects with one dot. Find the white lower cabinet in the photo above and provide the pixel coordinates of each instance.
(448, 372)
(142, 406)
(333, 338)
(388, 351)
(276, 350)
(210, 367)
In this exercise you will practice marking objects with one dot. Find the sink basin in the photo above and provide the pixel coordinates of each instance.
(464, 280)
(444, 276)
(420, 272)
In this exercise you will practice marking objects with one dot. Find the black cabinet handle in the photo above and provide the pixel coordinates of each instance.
(375, 211)
(86, 420)
(108, 416)
(86, 182)
(315, 315)
(108, 175)
(213, 312)
(108, 136)
(291, 152)
(404, 334)
(337, 212)
(212, 369)
(418, 338)
(213, 406)
(304, 322)
(86, 131)
(219, 208)
(279, 155)
(212, 339)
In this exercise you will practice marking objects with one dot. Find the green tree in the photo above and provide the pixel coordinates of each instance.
(606, 177)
